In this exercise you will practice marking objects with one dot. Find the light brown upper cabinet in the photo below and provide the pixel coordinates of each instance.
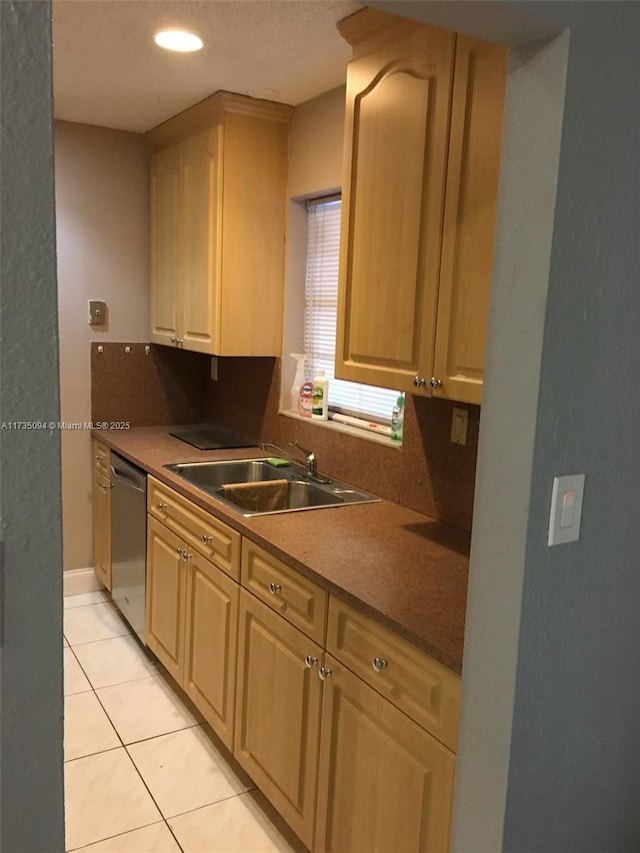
(218, 178)
(422, 150)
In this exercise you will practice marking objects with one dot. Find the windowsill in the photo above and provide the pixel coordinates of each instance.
(367, 435)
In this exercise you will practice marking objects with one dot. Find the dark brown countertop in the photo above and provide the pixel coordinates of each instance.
(406, 569)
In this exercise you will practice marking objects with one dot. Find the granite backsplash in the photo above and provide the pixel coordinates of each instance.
(429, 474)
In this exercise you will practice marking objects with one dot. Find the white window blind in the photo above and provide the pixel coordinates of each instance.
(321, 310)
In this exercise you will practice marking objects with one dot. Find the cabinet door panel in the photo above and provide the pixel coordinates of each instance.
(278, 712)
(470, 214)
(396, 130)
(202, 222)
(165, 597)
(384, 784)
(210, 644)
(166, 248)
(102, 528)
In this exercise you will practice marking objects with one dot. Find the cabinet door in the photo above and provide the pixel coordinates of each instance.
(167, 250)
(102, 528)
(396, 129)
(165, 597)
(278, 712)
(201, 214)
(470, 214)
(210, 644)
(384, 784)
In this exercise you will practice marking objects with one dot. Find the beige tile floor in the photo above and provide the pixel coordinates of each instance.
(143, 771)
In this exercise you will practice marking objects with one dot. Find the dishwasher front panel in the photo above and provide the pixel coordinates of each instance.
(128, 541)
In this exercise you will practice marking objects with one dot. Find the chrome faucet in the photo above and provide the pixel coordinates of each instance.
(310, 458)
(310, 461)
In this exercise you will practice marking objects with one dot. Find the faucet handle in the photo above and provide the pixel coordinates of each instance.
(296, 443)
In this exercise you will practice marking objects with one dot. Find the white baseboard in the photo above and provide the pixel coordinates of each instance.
(77, 581)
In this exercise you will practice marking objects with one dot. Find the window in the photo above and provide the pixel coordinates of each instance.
(320, 315)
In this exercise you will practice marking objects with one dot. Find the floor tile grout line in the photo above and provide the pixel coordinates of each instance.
(116, 683)
(106, 601)
(214, 803)
(98, 639)
(91, 684)
(67, 608)
(175, 838)
(164, 734)
(105, 639)
(91, 754)
(109, 837)
(160, 812)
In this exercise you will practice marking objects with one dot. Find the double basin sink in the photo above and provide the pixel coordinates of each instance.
(255, 487)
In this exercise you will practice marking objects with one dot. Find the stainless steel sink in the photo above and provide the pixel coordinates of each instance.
(212, 475)
(299, 492)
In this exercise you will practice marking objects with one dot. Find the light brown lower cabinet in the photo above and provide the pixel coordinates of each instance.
(384, 784)
(278, 712)
(102, 527)
(348, 770)
(191, 624)
(164, 627)
(211, 631)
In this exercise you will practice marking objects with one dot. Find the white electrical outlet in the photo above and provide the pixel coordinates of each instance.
(459, 426)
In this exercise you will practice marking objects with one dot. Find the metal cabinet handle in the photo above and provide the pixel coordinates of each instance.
(105, 486)
(161, 506)
(173, 339)
(179, 341)
(207, 539)
(379, 664)
(310, 661)
(180, 551)
(419, 381)
(435, 382)
(324, 673)
(274, 588)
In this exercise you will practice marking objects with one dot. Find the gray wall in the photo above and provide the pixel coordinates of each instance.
(31, 788)
(574, 779)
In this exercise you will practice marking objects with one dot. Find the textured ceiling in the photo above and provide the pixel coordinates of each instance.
(108, 70)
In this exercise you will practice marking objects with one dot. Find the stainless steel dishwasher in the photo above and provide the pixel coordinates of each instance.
(128, 540)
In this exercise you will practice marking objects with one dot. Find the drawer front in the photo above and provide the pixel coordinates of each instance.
(425, 690)
(214, 539)
(300, 601)
(101, 458)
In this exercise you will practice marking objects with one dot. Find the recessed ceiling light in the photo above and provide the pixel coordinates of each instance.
(178, 40)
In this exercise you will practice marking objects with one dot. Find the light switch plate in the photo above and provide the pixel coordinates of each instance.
(566, 509)
(97, 312)
(459, 426)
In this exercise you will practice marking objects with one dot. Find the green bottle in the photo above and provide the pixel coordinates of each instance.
(397, 419)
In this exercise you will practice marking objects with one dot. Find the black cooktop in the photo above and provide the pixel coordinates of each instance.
(211, 437)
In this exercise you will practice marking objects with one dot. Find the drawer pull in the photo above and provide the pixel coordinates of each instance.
(310, 661)
(207, 539)
(379, 664)
(324, 673)
(274, 588)
(161, 506)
